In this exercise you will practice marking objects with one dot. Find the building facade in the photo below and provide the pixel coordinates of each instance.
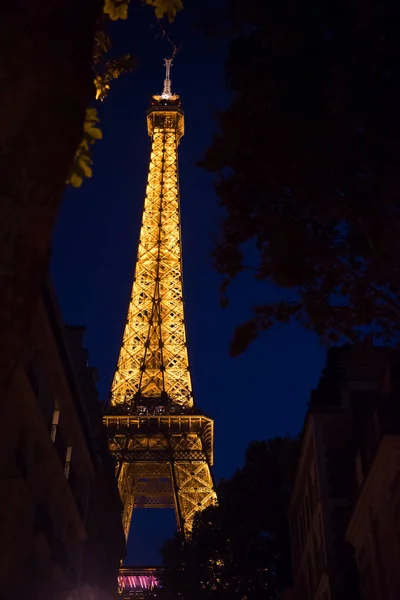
(60, 513)
(345, 503)
(374, 527)
(323, 566)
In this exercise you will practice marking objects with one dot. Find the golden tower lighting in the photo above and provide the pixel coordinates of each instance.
(163, 447)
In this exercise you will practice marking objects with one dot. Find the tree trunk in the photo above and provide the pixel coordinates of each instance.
(45, 88)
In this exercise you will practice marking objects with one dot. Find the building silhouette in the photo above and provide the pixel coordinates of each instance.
(60, 513)
(345, 505)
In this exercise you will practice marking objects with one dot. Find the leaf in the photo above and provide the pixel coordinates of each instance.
(90, 131)
(75, 180)
(110, 71)
(224, 301)
(116, 9)
(102, 88)
(166, 7)
(82, 163)
(102, 44)
(243, 336)
(94, 133)
(91, 116)
(85, 163)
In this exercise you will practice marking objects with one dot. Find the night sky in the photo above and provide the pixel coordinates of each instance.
(258, 395)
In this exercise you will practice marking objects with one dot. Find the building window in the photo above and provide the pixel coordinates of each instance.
(365, 572)
(302, 530)
(21, 456)
(42, 521)
(33, 379)
(395, 485)
(21, 463)
(294, 544)
(310, 573)
(322, 539)
(307, 512)
(54, 424)
(377, 429)
(359, 470)
(67, 466)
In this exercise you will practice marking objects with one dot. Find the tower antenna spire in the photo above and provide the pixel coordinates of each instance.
(166, 95)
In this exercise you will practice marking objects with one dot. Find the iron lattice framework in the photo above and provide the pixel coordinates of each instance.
(163, 449)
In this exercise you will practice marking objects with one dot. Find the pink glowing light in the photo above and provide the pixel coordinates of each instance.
(138, 582)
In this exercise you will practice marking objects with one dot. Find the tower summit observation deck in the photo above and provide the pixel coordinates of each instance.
(162, 446)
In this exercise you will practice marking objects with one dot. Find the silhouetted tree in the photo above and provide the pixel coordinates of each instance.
(307, 158)
(46, 50)
(46, 69)
(239, 548)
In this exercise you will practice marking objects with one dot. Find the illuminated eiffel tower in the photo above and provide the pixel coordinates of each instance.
(163, 447)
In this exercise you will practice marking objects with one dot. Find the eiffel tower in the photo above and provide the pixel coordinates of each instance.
(163, 447)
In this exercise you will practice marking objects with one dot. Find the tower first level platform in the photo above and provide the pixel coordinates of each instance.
(163, 462)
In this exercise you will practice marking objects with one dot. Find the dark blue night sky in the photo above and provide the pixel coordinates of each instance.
(260, 394)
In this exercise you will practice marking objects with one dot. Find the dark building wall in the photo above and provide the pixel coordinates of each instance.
(60, 513)
(351, 442)
(374, 527)
(319, 513)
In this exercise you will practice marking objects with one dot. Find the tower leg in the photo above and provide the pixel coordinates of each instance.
(193, 489)
(126, 491)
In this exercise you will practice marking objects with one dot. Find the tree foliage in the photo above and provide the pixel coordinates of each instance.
(118, 9)
(307, 163)
(44, 103)
(240, 548)
(167, 8)
(82, 163)
(112, 70)
(105, 71)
